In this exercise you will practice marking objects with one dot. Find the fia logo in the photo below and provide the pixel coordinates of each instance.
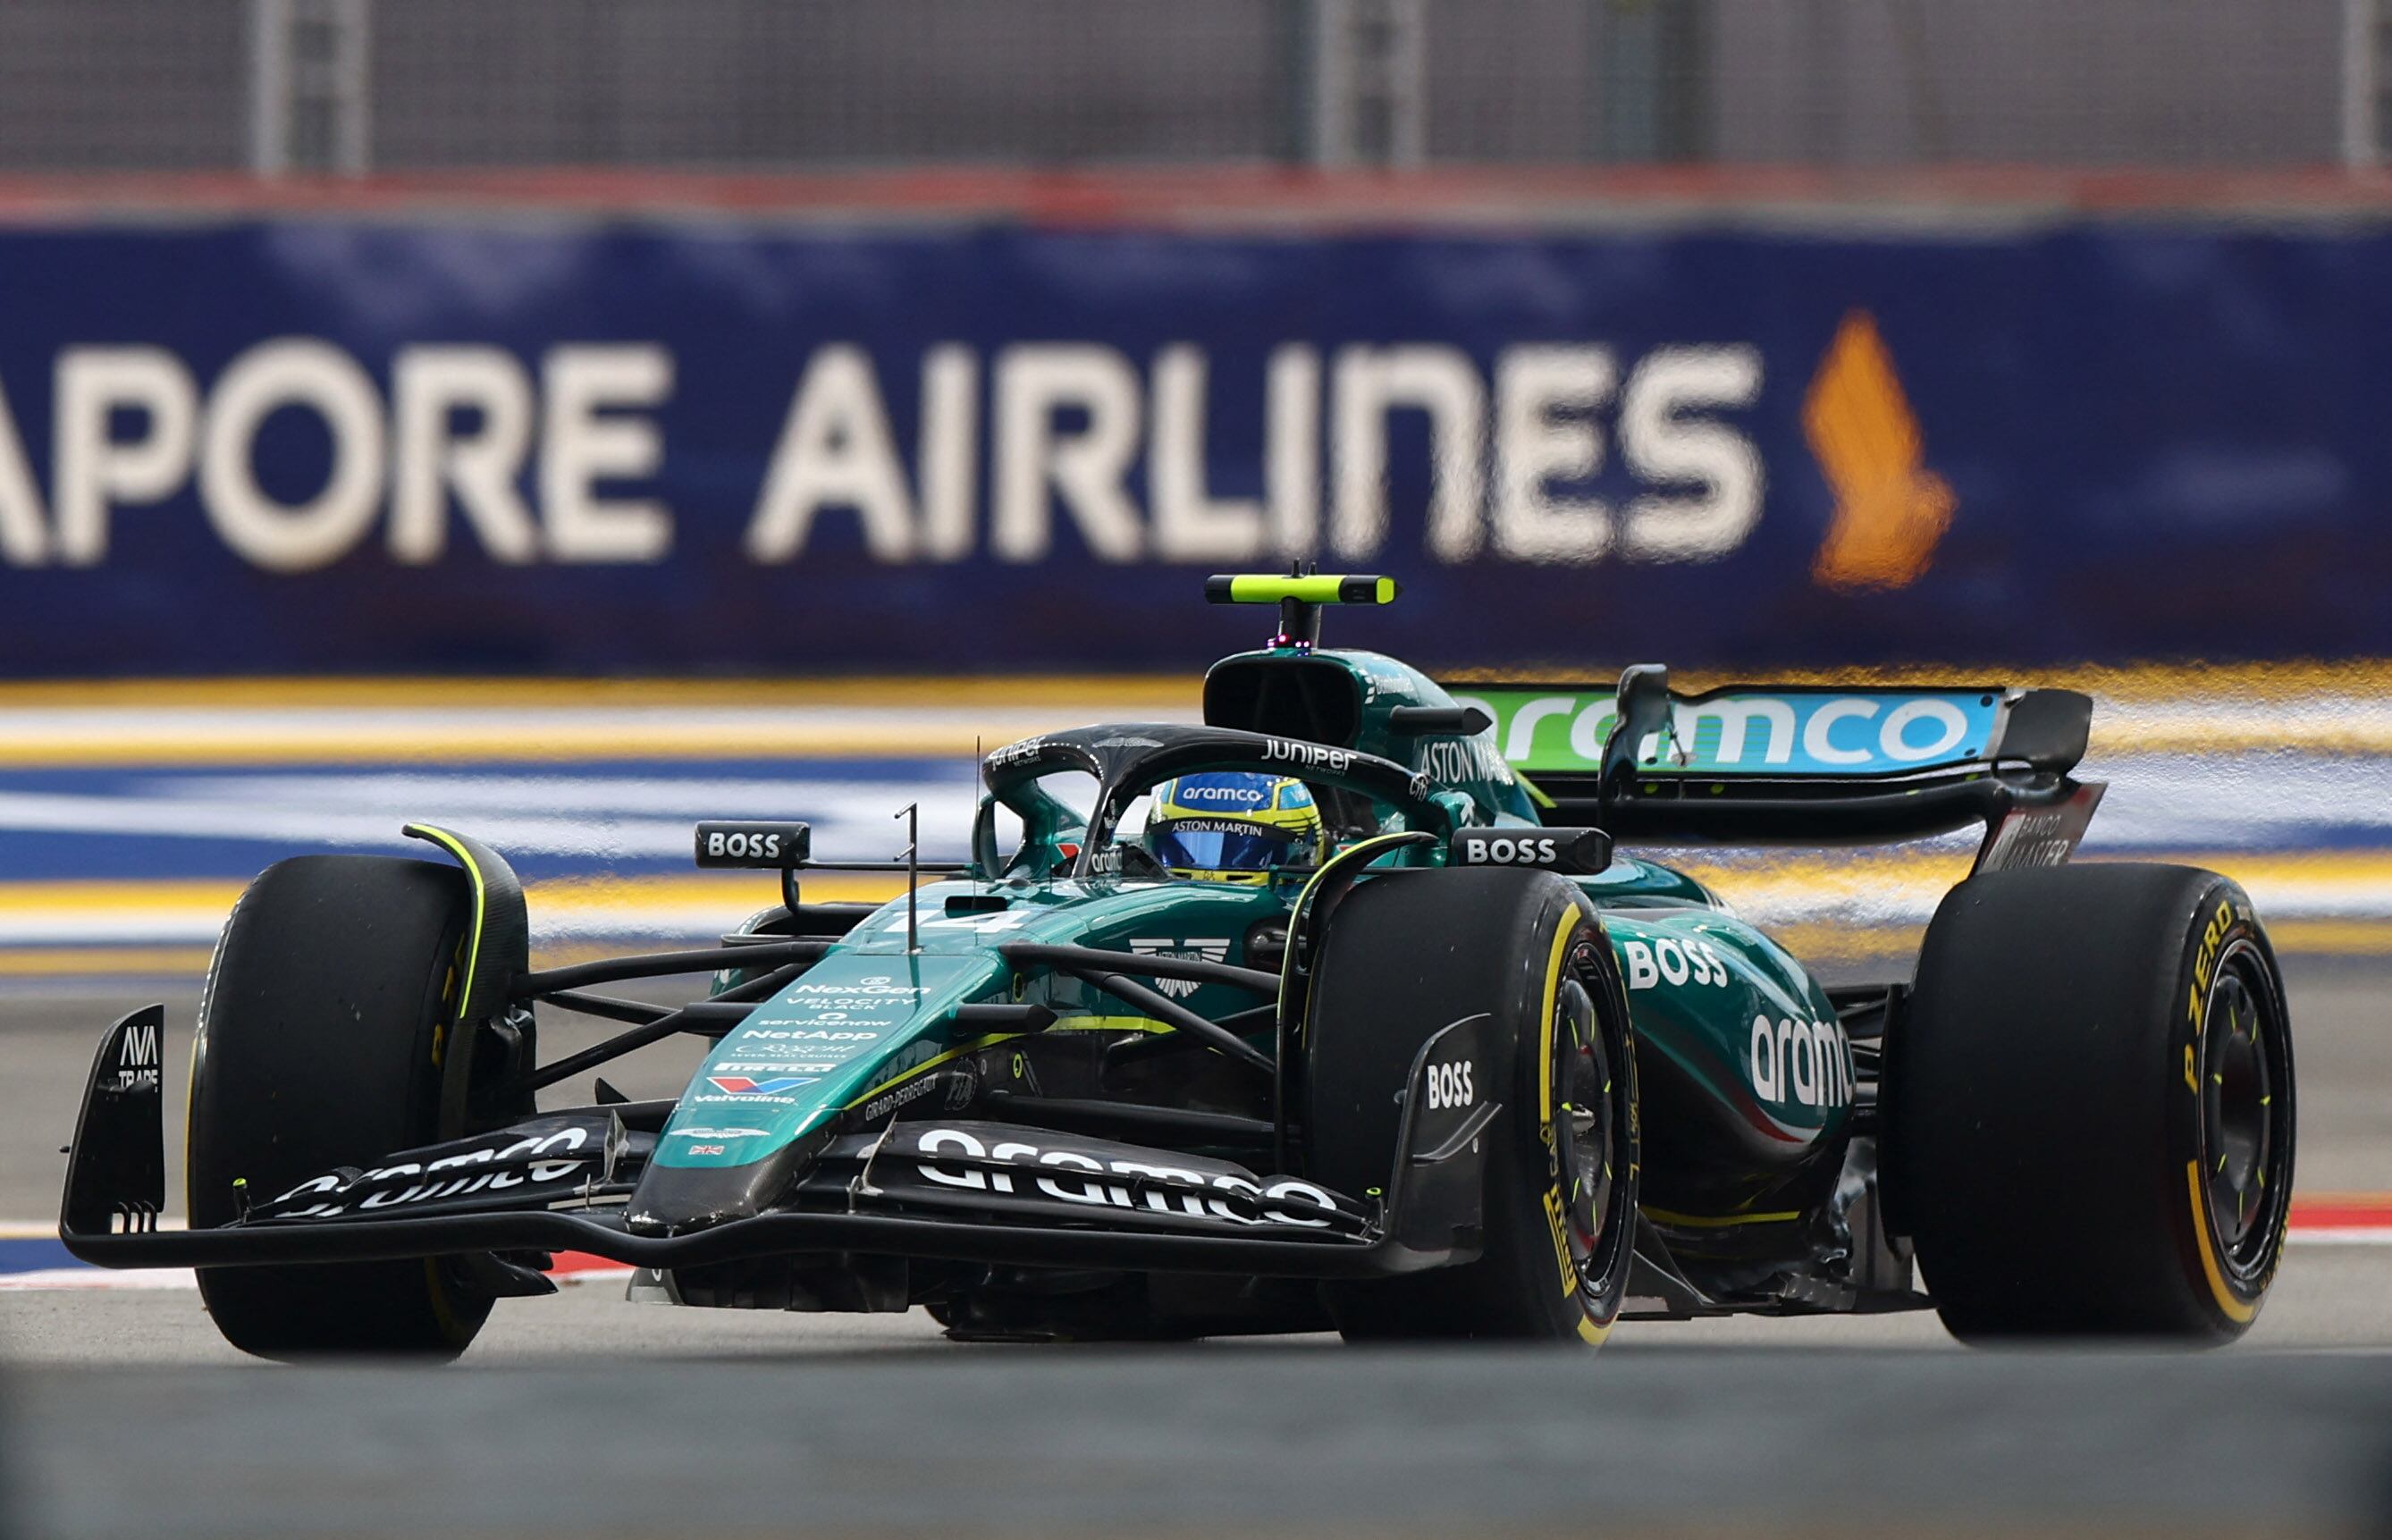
(1199, 949)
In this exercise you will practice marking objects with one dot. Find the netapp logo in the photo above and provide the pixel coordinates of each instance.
(817, 1035)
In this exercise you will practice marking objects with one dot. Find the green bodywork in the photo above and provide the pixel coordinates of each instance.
(1724, 1015)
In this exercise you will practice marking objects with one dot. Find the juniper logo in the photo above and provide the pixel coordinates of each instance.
(1201, 948)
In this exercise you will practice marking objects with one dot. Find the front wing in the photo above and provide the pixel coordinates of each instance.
(974, 1192)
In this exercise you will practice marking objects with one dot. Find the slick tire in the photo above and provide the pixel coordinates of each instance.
(320, 1040)
(2089, 1106)
(1402, 958)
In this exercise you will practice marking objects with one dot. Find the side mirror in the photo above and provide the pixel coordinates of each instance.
(1420, 721)
(1643, 707)
(758, 847)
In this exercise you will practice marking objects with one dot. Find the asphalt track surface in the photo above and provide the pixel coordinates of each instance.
(587, 1416)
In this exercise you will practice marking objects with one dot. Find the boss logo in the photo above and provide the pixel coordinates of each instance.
(1448, 1085)
(1503, 850)
(774, 845)
(1672, 962)
(1579, 851)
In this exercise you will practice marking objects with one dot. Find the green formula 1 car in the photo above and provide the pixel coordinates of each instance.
(1319, 1014)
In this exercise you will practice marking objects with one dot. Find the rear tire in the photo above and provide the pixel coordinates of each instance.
(1403, 957)
(320, 1043)
(2089, 1107)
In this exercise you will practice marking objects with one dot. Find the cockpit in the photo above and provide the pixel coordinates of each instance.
(1154, 802)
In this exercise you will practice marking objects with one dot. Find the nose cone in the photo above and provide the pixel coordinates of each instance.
(778, 1086)
(673, 1198)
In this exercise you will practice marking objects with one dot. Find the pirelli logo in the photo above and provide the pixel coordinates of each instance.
(1554, 1222)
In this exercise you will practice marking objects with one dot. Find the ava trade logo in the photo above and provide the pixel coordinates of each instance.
(740, 1085)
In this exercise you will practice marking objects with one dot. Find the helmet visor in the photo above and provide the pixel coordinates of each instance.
(1186, 849)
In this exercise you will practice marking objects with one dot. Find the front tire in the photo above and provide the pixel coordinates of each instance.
(2089, 1107)
(1403, 957)
(319, 1045)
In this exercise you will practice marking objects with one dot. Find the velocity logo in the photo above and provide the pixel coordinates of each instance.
(1201, 948)
(740, 1085)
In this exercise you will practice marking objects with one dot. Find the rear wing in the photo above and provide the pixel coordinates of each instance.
(1768, 764)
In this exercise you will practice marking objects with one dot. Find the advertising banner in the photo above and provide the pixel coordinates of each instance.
(521, 445)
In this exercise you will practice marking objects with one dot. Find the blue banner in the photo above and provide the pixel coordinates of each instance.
(318, 445)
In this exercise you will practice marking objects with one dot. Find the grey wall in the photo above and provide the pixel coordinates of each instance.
(2080, 81)
(88, 84)
(777, 83)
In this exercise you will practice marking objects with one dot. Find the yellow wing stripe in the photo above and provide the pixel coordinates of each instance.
(450, 843)
(1715, 1222)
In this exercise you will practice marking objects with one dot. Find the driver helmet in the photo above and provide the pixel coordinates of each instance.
(1233, 825)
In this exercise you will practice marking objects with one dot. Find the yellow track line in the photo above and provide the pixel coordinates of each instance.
(596, 902)
(1861, 872)
(2135, 683)
(506, 743)
(2153, 708)
(756, 891)
(427, 694)
(538, 743)
(2125, 682)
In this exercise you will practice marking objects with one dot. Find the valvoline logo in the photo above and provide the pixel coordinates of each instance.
(740, 1085)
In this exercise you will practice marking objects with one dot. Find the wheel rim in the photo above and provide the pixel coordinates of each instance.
(2245, 1107)
(1585, 1123)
